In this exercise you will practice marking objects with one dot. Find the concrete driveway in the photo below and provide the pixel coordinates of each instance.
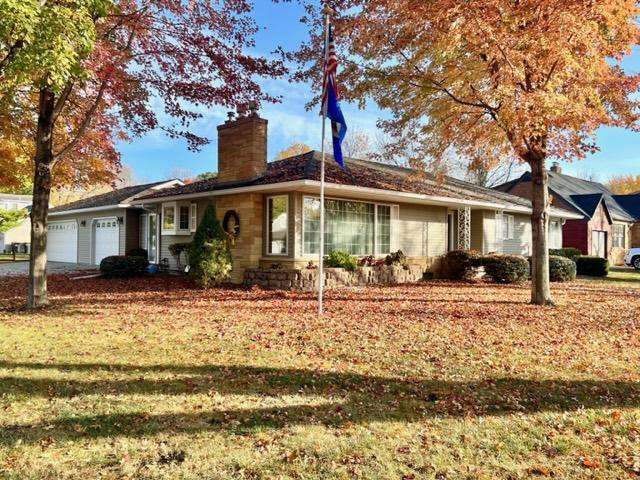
(22, 268)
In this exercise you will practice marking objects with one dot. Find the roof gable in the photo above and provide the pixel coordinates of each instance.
(630, 203)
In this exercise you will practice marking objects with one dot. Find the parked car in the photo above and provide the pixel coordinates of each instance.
(632, 258)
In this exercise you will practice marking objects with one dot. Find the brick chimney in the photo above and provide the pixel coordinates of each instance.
(242, 145)
(556, 168)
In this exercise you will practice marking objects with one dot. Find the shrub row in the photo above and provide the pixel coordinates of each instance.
(462, 264)
(121, 266)
(592, 266)
(571, 253)
(561, 269)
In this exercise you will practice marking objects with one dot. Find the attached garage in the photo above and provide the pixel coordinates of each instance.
(62, 241)
(106, 234)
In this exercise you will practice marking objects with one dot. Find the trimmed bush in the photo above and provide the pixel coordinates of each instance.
(121, 266)
(459, 264)
(138, 252)
(506, 268)
(209, 256)
(592, 266)
(571, 253)
(561, 269)
(340, 259)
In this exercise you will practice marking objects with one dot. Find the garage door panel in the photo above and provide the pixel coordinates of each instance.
(62, 241)
(107, 238)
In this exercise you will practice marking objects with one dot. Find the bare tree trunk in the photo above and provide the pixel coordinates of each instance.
(540, 286)
(37, 293)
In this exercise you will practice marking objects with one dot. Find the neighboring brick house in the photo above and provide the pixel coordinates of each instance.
(371, 209)
(608, 224)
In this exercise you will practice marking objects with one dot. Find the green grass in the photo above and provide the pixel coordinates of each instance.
(7, 257)
(152, 378)
(620, 276)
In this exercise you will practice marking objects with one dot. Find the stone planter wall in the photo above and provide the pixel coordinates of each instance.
(307, 279)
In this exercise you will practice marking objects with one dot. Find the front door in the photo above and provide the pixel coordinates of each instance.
(599, 243)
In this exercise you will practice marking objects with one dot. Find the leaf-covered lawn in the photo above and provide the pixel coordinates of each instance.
(152, 378)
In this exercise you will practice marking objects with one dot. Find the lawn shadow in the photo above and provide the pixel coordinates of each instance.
(344, 397)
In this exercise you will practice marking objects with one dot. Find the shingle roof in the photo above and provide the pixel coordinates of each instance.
(115, 197)
(631, 204)
(569, 187)
(587, 202)
(361, 173)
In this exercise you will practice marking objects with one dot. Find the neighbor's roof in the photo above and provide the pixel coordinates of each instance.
(631, 203)
(360, 173)
(114, 198)
(578, 193)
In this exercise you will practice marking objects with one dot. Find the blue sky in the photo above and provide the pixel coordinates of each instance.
(155, 156)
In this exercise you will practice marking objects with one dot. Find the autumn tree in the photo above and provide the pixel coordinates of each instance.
(292, 150)
(527, 79)
(119, 68)
(624, 184)
(355, 145)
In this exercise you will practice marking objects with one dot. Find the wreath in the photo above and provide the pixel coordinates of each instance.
(231, 214)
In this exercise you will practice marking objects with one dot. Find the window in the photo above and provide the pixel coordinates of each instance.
(383, 229)
(169, 217)
(508, 227)
(350, 226)
(278, 225)
(193, 218)
(184, 217)
(619, 236)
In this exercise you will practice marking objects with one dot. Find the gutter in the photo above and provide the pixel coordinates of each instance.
(90, 209)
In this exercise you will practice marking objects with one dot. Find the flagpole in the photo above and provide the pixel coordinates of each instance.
(326, 11)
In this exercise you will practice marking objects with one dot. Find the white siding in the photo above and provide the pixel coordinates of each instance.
(423, 230)
(520, 244)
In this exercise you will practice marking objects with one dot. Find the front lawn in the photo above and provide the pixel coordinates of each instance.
(619, 276)
(151, 378)
(8, 257)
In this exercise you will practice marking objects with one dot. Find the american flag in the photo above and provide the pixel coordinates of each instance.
(330, 97)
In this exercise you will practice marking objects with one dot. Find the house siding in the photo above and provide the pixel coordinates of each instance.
(635, 235)
(423, 230)
(520, 244)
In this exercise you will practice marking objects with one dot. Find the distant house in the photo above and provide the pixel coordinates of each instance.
(608, 225)
(22, 232)
(371, 209)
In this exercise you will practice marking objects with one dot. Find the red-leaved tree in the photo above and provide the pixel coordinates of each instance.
(147, 64)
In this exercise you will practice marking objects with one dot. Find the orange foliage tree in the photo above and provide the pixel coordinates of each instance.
(623, 184)
(292, 150)
(502, 79)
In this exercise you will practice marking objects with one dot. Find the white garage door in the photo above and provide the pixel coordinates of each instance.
(62, 241)
(107, 238)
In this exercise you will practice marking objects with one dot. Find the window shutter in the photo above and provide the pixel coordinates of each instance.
(395, 228)
(511, 227)
(499, 233)
(193, 217)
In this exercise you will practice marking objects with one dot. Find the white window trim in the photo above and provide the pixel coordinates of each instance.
(176, 230)
(394, 225)
(268, 253)
(193, 217)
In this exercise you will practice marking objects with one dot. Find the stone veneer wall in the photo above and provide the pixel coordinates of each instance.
(307, 279)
